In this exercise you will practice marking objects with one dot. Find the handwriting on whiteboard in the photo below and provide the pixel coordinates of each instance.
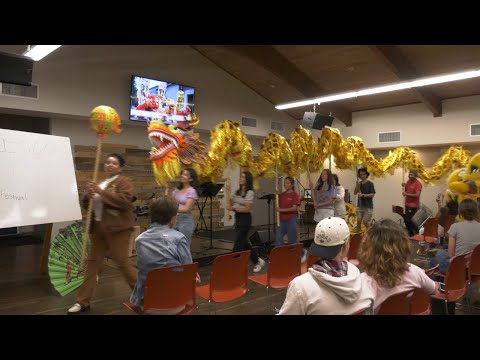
(7, 195)
(22, 147)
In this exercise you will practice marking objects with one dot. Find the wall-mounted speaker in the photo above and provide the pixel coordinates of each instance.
(16, 69)
(312, 120)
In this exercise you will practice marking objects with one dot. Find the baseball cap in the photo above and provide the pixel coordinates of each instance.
(330, 235)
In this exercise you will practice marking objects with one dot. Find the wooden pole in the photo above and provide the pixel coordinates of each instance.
(88, 221)
(403, 182)
(46, 249)
(276, 197)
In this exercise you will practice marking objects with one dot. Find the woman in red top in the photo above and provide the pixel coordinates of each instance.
(288, 202)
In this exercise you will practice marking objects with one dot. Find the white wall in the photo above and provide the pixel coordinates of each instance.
(76, 78)
(417, 124)
(418, 128)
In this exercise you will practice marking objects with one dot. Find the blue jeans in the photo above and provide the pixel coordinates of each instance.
(185, 226)
(441, 258)
(287, 227)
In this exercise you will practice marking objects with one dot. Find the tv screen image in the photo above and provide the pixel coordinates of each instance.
(152, 99)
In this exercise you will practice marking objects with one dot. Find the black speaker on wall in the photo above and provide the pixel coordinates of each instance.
(312, 120)
(16, 69)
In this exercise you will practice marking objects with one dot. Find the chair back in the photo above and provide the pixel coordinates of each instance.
(309, 263)
(398, 304)
(398, 210)
(474, 266)
(170, 287)
(355, 241)
(420, 303)
(431, 228)
(229, 276)
(284, 265)
(448, 222)
(432, 270)
(455, 282)
(362, 311)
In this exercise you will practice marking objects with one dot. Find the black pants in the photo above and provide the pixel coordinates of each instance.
(243, 222)
(411, 228)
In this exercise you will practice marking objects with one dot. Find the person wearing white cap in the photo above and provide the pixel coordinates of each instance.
(332, 286)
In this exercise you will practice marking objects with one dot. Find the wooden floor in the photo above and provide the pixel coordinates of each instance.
(24, 291)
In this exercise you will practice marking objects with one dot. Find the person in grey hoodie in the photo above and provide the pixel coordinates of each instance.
(332, 286)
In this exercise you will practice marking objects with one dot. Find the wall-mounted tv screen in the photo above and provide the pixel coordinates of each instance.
(152, 99)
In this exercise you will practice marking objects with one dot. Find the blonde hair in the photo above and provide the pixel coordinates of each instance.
(384, 253)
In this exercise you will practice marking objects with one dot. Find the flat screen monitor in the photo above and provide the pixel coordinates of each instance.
(152, 99)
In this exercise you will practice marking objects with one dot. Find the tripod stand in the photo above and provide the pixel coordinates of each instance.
(208, 191)
(269, 198)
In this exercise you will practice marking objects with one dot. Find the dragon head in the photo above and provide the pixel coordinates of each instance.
(173, 142)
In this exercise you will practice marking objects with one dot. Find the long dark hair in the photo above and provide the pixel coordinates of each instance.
(335, 180)
(193, 181)
(248, 185)
(329, 180)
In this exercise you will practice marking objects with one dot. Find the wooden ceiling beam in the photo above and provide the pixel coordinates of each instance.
(270, 59)
(404, 70)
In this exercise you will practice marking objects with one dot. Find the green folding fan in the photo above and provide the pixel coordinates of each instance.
(64, 259)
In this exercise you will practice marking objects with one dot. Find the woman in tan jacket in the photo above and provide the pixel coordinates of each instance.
(111, 228)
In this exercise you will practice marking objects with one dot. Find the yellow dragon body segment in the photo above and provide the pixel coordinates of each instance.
(177, 143)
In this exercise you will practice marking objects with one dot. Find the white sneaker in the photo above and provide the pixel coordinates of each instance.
(304, 257)
(259, 265)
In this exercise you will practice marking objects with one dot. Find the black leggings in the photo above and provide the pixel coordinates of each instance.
(243, 222)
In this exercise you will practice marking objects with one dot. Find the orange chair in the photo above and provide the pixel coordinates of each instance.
(449, 222)
(420, 303)
(399, 210)
(398, 304)
(309, 263)
(283, 266)
(355, 241)
(168, 288)
(430, 272)
(455, 285)
(228, 278)
(430, 233)
(362, 311)
(473, 271)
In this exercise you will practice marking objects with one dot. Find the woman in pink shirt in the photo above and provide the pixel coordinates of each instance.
(383, 256)
(186, 195)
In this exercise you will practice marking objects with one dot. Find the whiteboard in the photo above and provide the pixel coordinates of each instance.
(37, 179)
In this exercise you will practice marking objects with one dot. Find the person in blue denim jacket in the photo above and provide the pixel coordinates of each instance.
(160, 245)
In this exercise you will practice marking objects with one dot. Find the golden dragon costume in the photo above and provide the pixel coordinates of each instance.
(176, 144)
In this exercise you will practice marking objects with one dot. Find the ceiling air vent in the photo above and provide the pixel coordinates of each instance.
(278, 126)
(474, 129)
(249, 122)
(388, 137)
(19, 90)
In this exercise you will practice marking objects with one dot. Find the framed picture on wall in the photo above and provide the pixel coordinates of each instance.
(307, 194)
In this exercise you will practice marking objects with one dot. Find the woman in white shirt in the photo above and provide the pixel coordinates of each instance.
(241, 205)
(339, 204)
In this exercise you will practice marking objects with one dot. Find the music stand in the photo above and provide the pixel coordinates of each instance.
(269, 198)
(208, 191)
(307, 196)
